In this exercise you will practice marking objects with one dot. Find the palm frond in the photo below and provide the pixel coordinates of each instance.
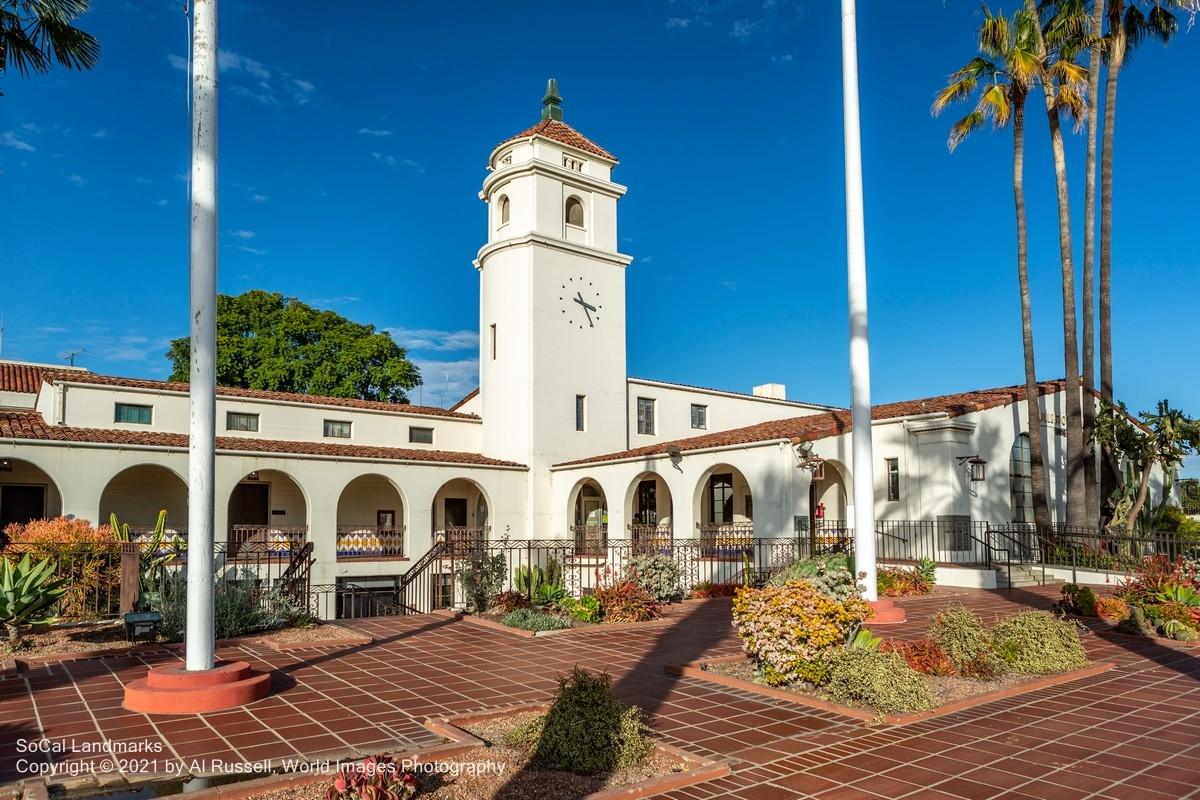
(953, 93)
(995, 38)
(995, 104)
(963, 128)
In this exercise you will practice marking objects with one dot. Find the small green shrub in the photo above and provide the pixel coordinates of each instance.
(659, 575)
(1035, 642)
(482, 578)
(529, 620)
(509, 601)
(830, 576)
(584, 609)
(963, 637)
(880, 680)
(238, 606)
(1136, 624)
(1080, 599)
(627, 601)
(586, 730)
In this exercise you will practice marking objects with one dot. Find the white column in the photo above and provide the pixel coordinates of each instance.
(203, 320)
(856, 268)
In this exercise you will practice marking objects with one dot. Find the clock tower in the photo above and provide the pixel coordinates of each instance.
(552, 303)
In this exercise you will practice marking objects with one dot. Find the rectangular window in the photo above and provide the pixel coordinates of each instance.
(135, 414)
(337, 429)
(645, 416)
(420, 435)
(720, 498)
(581, 412)
(892, 468)
(493, 332)
(699, 417)
(241, 422)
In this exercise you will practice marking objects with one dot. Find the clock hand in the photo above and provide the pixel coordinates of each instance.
(586, 306)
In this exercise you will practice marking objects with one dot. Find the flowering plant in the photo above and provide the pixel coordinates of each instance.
(373, 778)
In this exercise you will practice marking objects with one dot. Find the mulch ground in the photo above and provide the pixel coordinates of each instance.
(68, 640)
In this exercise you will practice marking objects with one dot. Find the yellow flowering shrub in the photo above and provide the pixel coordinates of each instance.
(791, 630)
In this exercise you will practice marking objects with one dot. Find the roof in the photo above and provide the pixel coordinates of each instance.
(30, 425)
(23, 378)
(562, 133)
(468, 397)
(254, 394)
(731, 392)
(834, 423)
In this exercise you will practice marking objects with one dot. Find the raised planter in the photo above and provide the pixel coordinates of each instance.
(697, 669)
(597, 627)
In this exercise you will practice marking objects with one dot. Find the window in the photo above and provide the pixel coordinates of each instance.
(699, 417)
(241, 422)
(337, 429)
(504, 209)
(581, 412)
(645, 416)
(720, 498)
(1020, 476)
(493, 333)
(574, 212)
(891, 466)
(420, 435)
(137, 415)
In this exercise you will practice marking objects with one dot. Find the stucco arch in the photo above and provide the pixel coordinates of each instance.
(587, 512)
(268, 509)
(136, 494)
(649, 508)
(738, 511)
(31, 485)
(371, 517)
(471, 517)
(829, 487)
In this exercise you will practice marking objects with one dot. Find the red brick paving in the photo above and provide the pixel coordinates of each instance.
(1132, 732)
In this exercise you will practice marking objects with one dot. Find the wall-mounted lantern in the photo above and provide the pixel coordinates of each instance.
(5, 465)
(976, 467)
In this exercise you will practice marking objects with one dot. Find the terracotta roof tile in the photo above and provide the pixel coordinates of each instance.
(255, 394)
(833, 423)
(23, 378)
(31, 425)
(563, 133)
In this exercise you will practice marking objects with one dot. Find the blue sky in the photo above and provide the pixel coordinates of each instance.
(352, 148)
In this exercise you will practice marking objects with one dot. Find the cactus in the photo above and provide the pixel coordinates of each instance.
(153, 554)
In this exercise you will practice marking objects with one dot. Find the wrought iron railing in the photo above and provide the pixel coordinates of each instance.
(366, 542)
(266, 539)
(651, 538)
(725, 540)
(590, 540)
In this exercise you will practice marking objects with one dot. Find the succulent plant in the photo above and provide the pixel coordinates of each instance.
(27, 592)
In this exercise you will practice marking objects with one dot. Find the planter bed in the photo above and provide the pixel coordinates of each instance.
(493, 622)
(323, 635)
(470, 740)
(953, 693)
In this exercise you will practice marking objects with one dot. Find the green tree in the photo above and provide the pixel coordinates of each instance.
(268, 341)
(1161, 439)
(37, 34)
(1002, 77)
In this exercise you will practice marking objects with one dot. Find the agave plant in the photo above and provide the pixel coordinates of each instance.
(27, 592)
(1180, 593)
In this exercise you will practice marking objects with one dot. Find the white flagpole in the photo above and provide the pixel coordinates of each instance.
(203, 300)
(856, 268)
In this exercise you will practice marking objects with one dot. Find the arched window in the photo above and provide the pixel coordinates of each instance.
(1020, 476)
(504, 209)
(574, 212)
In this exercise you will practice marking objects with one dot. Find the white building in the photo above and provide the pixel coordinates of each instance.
(557, 443)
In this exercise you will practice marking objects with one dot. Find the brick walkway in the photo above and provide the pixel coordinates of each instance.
(1133, 732)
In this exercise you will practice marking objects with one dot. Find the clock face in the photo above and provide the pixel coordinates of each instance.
(581, 306)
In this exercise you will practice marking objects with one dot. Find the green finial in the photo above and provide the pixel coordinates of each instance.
(552, 102)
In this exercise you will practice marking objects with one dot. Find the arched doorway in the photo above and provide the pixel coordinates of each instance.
(268, 513)
(26, 493)
(460, 512)
(827, 496)
(370, 520)
(724, 506)
(650, 511)
(138, 493)
(589, 518)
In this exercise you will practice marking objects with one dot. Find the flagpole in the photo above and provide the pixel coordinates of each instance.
(856, 269)
(203, 320)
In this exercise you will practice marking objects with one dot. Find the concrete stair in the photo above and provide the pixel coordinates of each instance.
(1022, 575)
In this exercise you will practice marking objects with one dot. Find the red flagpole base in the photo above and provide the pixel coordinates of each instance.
(886, 612)
(175, 690)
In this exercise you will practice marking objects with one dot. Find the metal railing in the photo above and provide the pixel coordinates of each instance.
(258, 539)
(366, 542)
(590, 540)
(725, 540)
(651, 538)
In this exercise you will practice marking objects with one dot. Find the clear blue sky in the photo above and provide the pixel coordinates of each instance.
(353, 145)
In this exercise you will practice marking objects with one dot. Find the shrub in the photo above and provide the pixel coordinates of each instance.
(1171, 610)
(962, 636)
(1111, 609)
(706, 589)
(584, 609)
(509, 601)
(28, 591)
(374, 778)
(1136, 624)
(658, 575)
(481, 579)
(1035, 642)
(1079, 599)
(880, 680)
(543, 586)
(529, 620)
(627, 601)
(237, 609)
(586, 730)
(830, 576)
(791, 630)
(924, 655)
(903, 582)
(87, 557)
(1153, 574)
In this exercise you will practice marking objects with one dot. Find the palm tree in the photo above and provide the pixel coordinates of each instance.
(1006, 71)
(36, 34)
(1128, 26)
(1062, 81)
